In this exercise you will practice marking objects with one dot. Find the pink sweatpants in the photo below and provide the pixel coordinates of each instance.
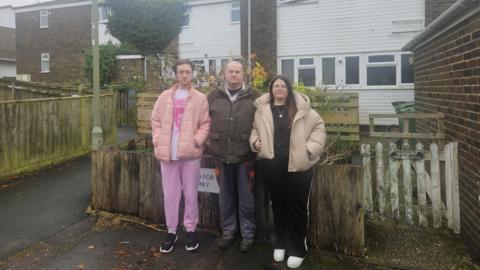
(178, 175)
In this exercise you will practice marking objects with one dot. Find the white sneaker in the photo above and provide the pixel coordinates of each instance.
(278, 255)
(294, 262)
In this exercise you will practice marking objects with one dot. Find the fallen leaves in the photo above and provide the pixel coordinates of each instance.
(81, 266)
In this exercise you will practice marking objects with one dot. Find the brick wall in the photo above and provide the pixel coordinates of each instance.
(7, 42)
(263, 32)
(447, 80)
(433, 9)
(126, 69)
(66, 39)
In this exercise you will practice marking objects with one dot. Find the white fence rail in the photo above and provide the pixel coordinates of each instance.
(414, 193)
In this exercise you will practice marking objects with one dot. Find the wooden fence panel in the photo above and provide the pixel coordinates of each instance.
(436, 192)
(40, 132)
(336, 217)
(367, 179)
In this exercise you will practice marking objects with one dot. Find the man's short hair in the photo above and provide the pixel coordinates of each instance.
(182, 62)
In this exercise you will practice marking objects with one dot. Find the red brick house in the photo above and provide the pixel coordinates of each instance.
(447, 79)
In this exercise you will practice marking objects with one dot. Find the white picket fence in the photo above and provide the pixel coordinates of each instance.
(416, 195)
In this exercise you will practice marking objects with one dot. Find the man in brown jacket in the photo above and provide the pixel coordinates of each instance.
(232, 112)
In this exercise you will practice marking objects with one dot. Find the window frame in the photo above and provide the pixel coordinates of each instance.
(400, 70)
(298, 67)
(360, 74)
(43, 14)
(187, 15)
(236, 9)
(101, 9)
(334, 69)
(47, 59)
(393, 63)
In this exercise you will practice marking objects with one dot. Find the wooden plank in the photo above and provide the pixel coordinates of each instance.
(448, 185)
(436, 136)
(393, 166)
(380, 180)
(367, 179)
(436, 195)
(452, 186)
(421, 192)
(409, 115)
(337, 220)
(407, 186)
(455, 188)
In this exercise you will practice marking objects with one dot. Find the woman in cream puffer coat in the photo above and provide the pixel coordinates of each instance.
(288, 137)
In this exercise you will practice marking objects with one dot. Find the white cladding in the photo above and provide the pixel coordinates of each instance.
(340, 28)
(210, 34)
(7, 17)
(345, 26)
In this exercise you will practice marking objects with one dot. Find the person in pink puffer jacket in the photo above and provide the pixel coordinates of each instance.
(180, 126)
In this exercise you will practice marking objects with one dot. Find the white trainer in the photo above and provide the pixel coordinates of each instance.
(278, 255)
(294, 262)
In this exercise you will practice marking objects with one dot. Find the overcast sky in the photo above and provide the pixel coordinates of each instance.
(18, 3)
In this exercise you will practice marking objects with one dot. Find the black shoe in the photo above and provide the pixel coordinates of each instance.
(246, 245)
(168, 243)
(192, 242)
(225, 242)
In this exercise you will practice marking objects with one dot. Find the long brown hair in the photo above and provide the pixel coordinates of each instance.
(290, 102)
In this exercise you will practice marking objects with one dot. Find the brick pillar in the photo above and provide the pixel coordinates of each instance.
(263, 32)
(433, 9)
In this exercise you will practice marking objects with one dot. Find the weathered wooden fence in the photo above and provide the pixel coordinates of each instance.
(18, 90)
(126, 106)
(39, 132)
(414, 193)
(341, 115)
(125, 182)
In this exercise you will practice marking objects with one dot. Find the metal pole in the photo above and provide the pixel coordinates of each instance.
(97, 134)
(249, 27)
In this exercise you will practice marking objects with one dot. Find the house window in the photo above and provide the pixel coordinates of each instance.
(103, 13)
(199, 67)
(288, 69)
(328, 70)
(381, 70)
(212, 67)
(306, 71)
(407, 68)
(45, 63)
(352, 70)
(43, 18)
(235, 12)
(186, 19)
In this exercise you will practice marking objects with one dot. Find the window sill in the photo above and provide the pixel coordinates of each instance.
(44, 72)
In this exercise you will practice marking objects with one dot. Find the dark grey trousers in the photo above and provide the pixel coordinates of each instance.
(237, 198)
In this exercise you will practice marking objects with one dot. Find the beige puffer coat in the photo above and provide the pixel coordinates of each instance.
(307, 137)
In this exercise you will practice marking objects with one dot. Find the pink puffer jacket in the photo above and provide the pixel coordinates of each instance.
(194, 128)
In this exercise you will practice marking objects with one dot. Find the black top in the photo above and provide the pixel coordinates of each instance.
(281, 134)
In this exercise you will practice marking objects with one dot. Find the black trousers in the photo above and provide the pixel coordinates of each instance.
(289, 192)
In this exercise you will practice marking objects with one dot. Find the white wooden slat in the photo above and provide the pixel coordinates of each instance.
(451, 177)
(407, 186)
(393, 167)
(448, 184)
(422, 197)
(367, 179)
(380, 180)
(436, 195)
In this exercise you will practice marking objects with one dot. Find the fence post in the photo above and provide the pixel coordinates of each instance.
(380, 180)
(436, 195)
(451, 183)
(407, 185)
(393, 166)
(422, 197)
(367, 179)
(13, 90)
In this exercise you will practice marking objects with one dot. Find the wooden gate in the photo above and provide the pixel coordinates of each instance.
(413, 193)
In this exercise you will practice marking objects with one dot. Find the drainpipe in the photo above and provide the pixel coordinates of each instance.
(249, 38)
(436, 25)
